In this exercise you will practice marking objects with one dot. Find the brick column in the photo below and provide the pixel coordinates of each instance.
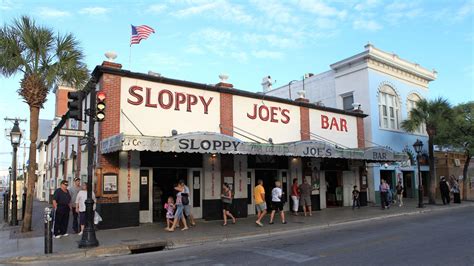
(304, 120)
(226, 114)
(360, 133)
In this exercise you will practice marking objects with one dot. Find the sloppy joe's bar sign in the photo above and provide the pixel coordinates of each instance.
(147, 106)
(206, 142)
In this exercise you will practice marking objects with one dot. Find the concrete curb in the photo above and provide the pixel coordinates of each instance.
(129, 248)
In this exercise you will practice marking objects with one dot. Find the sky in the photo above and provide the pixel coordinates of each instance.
(196, 40)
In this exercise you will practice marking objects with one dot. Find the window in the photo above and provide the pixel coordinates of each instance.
(347, 101)
(412, 99)
(389, 108)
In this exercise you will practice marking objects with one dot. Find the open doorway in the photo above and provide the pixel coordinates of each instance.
(164, 181)
(334, 192)
(268, 177)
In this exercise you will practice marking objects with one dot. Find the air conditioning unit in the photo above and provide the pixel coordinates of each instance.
(457, 162)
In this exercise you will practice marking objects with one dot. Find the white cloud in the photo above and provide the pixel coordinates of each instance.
(270, 39)
(6, 5)
(370, 25)
(320, 8)
(240, 56)
(158, 8)
(465, 10)
(220, 8)
(194, 49)
(93, 11)
(326, 23)
(162, 61)
(53, 13)
(265, 54)
(366, 5)
(274, 10)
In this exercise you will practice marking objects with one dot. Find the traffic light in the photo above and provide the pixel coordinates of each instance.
(100, 106)
(75, 104)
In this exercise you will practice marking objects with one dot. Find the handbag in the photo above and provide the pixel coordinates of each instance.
(226, 200)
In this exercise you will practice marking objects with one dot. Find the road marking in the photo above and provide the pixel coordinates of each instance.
(281, 254)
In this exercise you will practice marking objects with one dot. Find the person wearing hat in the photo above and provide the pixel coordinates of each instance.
(75, 188)
(444, 189)
(61, 203)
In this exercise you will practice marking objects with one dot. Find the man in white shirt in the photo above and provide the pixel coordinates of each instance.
(277, 203)
(81, 205)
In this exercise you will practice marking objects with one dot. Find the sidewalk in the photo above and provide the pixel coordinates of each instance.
(18, 247)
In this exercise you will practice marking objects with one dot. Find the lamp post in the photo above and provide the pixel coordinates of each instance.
(289, 87)
(418, 145)
(15, 137)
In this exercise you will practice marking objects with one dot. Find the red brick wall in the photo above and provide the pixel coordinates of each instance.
(227, 119)
(360, 132)
(110, 126)
(304, 121)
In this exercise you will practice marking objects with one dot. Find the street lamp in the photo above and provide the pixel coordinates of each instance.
(15, 137)
(418, 145)
(289, 86)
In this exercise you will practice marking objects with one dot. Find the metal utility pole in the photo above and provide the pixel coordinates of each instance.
(88, 236)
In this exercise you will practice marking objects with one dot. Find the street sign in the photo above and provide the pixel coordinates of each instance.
(83, 141)
(72, 133)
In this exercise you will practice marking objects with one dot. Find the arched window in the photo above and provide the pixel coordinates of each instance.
(389, 108)
(412, 99)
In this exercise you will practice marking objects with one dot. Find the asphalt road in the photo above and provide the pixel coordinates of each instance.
(437, 238)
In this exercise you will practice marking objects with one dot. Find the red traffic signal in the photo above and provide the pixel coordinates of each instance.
(100, 106)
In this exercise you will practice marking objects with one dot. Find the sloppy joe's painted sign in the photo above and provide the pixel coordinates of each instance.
(155, 109)
(339, 128)
(206, 142)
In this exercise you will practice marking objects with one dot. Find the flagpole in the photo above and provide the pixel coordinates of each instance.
(130, 58)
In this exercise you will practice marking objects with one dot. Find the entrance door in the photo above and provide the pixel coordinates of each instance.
(334, 192)
(196, 187)
(250, 200)
(285, 187)
(268, 177)
(164, 181)
(408, 181)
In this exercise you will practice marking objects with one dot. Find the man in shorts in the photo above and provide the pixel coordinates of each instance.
(260, 205)
(305, 197)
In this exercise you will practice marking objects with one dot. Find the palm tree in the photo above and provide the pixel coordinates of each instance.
(432, 114)
(45, 60)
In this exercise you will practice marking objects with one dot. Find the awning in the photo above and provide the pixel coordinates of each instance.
(208, 142)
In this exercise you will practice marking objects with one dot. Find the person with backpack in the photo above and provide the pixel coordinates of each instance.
(179, 209)
(226, 198)
(187, 207)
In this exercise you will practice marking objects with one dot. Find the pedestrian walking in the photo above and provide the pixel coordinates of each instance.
(179, 215)
(80, 204)
(399, 189)
(355, 198)
(305, 197)
(260, 204)
(277, 203)
(444, 189)
(74, 190)
(61, 203)
(295, 195)
(384, 188)
(169, 207)
(186, 195)
(226, 198)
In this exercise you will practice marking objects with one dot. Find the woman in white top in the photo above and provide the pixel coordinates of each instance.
(277, 203)
(81, 205)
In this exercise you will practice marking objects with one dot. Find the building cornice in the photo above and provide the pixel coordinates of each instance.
(390, 64)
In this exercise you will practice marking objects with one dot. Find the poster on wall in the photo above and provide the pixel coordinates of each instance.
(110, 183)
(315, 181)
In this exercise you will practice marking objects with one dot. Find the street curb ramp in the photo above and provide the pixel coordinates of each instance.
(107, 251)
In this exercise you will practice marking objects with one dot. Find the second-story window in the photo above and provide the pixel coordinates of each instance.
(389, 108)
(347, 101)
(412, 99)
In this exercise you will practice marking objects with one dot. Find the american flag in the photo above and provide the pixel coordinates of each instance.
(139, 33)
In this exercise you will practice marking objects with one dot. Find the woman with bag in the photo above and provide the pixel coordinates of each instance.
(226, 198)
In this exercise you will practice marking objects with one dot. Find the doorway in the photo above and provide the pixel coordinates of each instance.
(268, 177)
(164, 181)
(408, 188)
(334, 192)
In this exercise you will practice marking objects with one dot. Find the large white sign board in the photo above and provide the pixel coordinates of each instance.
(339, 128)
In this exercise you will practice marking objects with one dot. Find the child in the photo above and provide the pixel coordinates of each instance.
(169, 207)
(355, 198)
